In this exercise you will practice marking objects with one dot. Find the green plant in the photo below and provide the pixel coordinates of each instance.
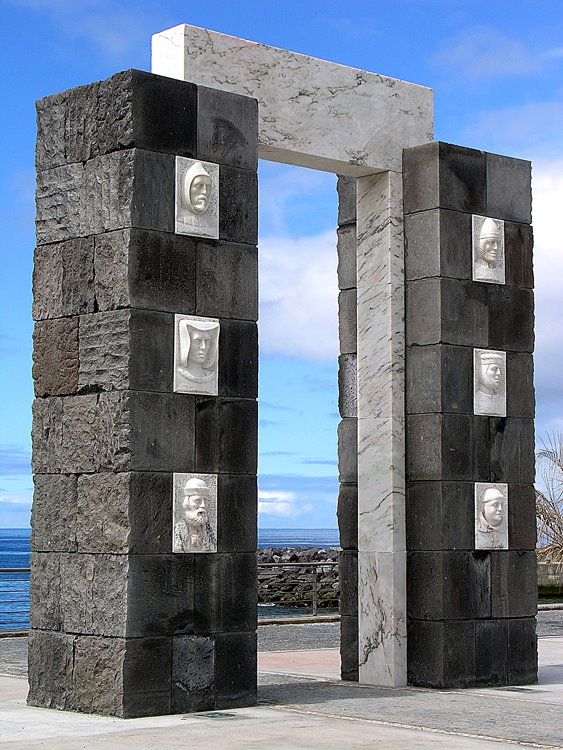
(549, 500)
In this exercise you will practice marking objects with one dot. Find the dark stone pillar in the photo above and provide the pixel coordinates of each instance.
(348, 427)
(471, 612)
(119, 624)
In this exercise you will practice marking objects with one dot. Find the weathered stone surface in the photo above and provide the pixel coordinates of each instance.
(347, 321)
(235, 670)
(348, 450)
(125, 512)
(238, 205)
(104, 350)
(441, 654)
(348, 516)
(509, 188)
(53, 514)
(59, 204)
(45, 591)
(237, 496)
(144, 269)
(227, 280)
(146, 681)
(131, 108)
(522, 651)
(238, 362)
(225, 592)
(447, 384)
(80, 434)
(105, 658)
(50, 673)
(348, 573)
(227, 128)
(346, 189)
(193, 673)
(94, 594)
(227, 435)
(511, 318)
(347, 252)
(512, 450)
(55, 357)
(349, 648)
(348, 385)
(63, 279)
(518, 247)
(440, 515)
(522, 517)
(491, 641)
(514, 579)
(438, 243)
(47, 435)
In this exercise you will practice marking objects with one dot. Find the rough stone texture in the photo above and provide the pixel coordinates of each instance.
(55, 357)
(440, 515)
(226, 435)
(512, 450)
(347, 321)
(522, 651)
(45, 591)
(238, 205)
(514, 583)
(447, 384)
(125, 513)
(348, 516)
(50, 673)
(441, 654)
(227, 128)
(348, 451)
(348, 571)
(235, 670)
(132, 108)
(225, 593)
(227, 280)
(346, 189)
(114, 191)
(349, 648)
(54, 512)
(347, 251)
(104, 657)
(63, 279)
(436, 244)
(193, 673)
(509, 188)
(491, 662)
(144, 269)
(47, 435)
(348, 385)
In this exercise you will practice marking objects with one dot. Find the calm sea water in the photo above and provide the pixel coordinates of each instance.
(15, 551)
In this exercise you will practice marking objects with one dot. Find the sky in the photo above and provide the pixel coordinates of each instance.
(496, 68)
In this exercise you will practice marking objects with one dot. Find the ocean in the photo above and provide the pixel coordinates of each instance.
(15, 551)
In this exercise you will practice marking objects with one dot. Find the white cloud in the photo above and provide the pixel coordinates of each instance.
(281, 503)
(299, 296)
(16, 500)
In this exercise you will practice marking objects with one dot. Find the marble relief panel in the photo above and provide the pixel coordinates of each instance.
(194, 513)
(488, 250)
(196, 354)
(491, 516)
(489, 382)
(197, 198)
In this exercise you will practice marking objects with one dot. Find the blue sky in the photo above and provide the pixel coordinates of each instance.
(497, 72)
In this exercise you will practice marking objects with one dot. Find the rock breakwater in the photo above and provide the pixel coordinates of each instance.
(289, 576)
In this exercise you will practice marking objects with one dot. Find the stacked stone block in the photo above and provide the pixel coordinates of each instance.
(119, 624)
(471, 613)
(348, 427)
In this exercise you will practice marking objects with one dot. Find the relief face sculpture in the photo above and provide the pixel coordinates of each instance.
(195, 517)
(491, 516)
(196, 355)
(489, 382)
(488, 250)
(197, 198)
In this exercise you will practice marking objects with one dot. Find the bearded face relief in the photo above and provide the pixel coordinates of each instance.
(491, 516)
(195, 513)
(488, 250)
(489, 382)
(197, 198)
(196, 355)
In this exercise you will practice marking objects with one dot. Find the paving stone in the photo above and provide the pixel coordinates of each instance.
(348, 515)
(50, 674)
(348, 451)
(226, 435)
(491, 652)
(440, 516)
(348, 575)
(443, 175)
(53, 514)
(347, 252)
(227, 128)
(441, 654)
(346, 189)
(193, 673)
(449, 585)
(131, 108)
(238, 359)
(63, 279)
(236, 513)
(225, 592)
(55, 357)
(45, 591)
(509, 188)
(238, 205)
(349, 649)
(347, 321)
(438, 243)
(514, 582)
(227, 280)
(235, 670)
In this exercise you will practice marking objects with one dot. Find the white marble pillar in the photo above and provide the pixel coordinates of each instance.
(381, 447)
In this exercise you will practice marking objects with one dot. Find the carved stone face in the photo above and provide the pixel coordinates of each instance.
(195, 510)
(489, 242)
(489, 250)
(493, 508)
(200, 344)
(490, 375)
(200, 192)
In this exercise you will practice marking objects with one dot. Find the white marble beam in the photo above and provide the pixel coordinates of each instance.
(313, 113)
(381, 421)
